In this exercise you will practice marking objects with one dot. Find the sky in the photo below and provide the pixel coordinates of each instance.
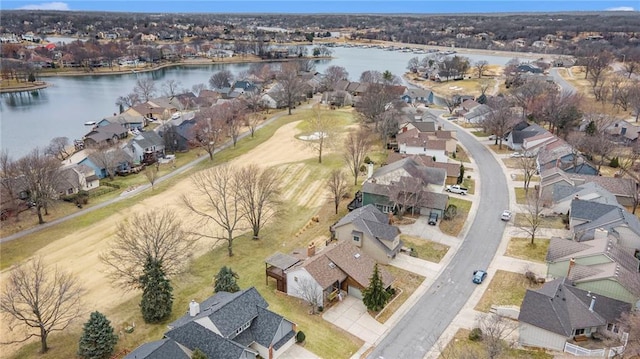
(326, 6)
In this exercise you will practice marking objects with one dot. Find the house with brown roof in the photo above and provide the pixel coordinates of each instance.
(452, 169)
(339, 269)
(601, 266)
(559, 312)
(368, 228)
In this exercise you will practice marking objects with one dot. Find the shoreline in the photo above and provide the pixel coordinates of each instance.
(37, 85)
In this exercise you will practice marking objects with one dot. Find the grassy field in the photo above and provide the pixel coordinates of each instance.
(425, 249)
(454, 226)
(505, 288)
(523, 249)
(461, 155)
(469, 184)
(520, 177)
(480, 133)
(461, 345)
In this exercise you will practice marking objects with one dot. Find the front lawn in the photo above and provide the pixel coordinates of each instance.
(505, 288)
(454, 226)
(469, 184)
(480, 133)
(523, 249)
(461, 155)
(554, 222)
(461, 345)
(405, 284)
(425, 249)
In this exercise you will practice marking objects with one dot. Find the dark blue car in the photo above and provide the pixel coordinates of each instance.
(479, 276)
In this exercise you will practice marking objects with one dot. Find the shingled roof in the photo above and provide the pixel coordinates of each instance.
(161, 349)
(561, 308)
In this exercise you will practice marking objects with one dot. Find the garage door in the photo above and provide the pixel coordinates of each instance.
(355, 292)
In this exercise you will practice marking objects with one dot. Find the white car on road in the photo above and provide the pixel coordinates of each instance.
(506, 215)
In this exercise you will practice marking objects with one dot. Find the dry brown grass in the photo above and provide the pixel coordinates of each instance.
(505, 288)
(454, 226)
(461, 344)
(405, 284)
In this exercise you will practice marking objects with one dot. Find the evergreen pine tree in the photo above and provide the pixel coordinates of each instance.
(157, 298)
(375, 296)
(198, 354)
(98, 339)
(225, 281)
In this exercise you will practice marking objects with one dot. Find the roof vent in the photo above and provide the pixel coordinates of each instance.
(332, 265)
(357, 255)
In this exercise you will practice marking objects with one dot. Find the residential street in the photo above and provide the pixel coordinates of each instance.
(564, 85)
(418, 331)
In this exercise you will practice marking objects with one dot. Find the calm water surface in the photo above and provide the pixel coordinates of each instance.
(31, 119)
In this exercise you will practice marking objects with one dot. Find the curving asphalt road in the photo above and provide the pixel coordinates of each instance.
(414, 335)
(564, 85)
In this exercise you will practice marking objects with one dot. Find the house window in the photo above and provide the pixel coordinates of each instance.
(243, 327)
(579, 332)
(356, 238)
(612, 327)
(383, 208)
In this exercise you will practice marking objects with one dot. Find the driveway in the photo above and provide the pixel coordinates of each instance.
(351, 315)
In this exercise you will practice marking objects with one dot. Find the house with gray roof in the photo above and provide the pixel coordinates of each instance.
(368, 228)
(107, 134)
(562, 155)
(420, 187)
(601, 266)
(515, 139)
(227, 326)
(146, 145)
(585, 217)
(563, 194)
(559, 312)
(339, 269)
(75, 178)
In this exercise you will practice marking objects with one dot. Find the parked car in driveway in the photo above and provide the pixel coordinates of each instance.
(433, 218)
(479, 276)
(506, 215)
(456, 189)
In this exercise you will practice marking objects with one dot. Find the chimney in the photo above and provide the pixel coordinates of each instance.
(593, 302)
(572, 262)
(369, 170)
(311, 250)
(194, 308)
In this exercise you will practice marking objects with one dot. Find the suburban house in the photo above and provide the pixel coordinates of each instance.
(418, 96)
(559, 312)
(107, 162)
(128, 119)
(75, 178)
(475, 115)
(601, 266)
(423, 138)
(225, 325)
(622, 188)
(563, 156)
(586, 217)
(107, 134)
(624, 130)
(177, 137)
(147, 146)
(452, 169)
(368, 228)
(531, 145)
(521, 131)
(339, 269)
(420, 186)
(563, 194)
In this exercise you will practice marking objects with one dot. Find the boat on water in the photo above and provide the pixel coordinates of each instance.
(90, 123)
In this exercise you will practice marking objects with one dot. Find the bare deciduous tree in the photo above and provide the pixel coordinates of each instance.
(209, 131)
(500, 120)
(481, 67)
(310, 292)
(151, 173)
(451, 102)
(58, 148)
(145, 89)
(40, 299)
(158, 235)
(8, 182)
(529, 167)
(355, 150)
(258, 193)
(338, 187)
(171, 87)
(291, 86)
(334, 74)
(495, 333)
(108, 157)
(597, 65)
(40, 175)
(405, 192)
(531, 220)
(220, 79)
(217, 203)
(371, 77)
(197, 88)
(323, 129)
(630, 323)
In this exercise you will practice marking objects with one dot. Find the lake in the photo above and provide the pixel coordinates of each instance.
(32, 119)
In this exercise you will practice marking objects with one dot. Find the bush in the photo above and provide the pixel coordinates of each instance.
(320, 309)
(391, 291)
(615, 162)
(367, 160)
(531, 277)
(413, 252)
(451, 212)
(475, 335)
(300, 337)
